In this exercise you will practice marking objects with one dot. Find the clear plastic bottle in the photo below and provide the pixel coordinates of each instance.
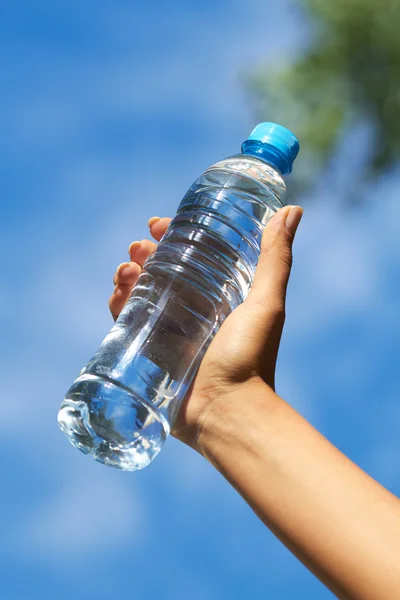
(124, 402)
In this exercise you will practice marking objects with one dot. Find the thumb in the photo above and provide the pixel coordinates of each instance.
(275, 262)
(265, 304)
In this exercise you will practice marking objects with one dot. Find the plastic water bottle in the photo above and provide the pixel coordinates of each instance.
(123, 404)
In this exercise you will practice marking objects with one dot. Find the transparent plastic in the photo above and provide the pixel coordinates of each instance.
(123, 404)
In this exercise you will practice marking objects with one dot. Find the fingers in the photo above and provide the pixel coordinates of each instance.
(125, 278)
(158, 226)
(118, 299)
(140, 251)
(128, 273)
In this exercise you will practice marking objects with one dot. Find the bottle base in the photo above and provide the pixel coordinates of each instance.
(103, 419)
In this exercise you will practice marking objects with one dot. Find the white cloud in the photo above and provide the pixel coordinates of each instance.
(90, 510)
(338, 261)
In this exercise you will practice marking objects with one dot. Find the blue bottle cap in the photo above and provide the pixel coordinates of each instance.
(274, 144)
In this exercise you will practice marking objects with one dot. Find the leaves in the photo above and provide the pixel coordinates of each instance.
(350, 73)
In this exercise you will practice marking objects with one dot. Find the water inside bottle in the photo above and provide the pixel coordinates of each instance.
(123, 404)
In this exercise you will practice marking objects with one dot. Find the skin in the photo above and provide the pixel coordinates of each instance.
(342, 524)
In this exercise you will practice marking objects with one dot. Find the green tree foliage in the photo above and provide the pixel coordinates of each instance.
(350, 73)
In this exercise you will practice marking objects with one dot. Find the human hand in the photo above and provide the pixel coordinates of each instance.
(244, 351)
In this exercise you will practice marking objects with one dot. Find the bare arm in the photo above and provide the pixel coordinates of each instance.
(337, 520)
(341, 523)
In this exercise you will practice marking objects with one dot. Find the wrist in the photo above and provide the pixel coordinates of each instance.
(232, 417)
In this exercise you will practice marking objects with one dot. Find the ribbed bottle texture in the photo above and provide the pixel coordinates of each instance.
(125, 400)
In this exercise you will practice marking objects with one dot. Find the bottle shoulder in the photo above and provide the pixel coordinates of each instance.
(256, 169)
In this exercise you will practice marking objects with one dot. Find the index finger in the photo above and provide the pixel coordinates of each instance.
(159, 227)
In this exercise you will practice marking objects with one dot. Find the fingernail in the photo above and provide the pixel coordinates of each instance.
(134, 246)
(293, 219)
(121, 268)
(127, 270)
(153, 220)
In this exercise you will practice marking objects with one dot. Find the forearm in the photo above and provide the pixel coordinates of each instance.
(339, 522)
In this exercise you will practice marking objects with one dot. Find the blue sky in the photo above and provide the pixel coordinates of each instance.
(109, 111)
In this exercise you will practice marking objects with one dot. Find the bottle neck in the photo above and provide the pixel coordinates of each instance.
(268, 154)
